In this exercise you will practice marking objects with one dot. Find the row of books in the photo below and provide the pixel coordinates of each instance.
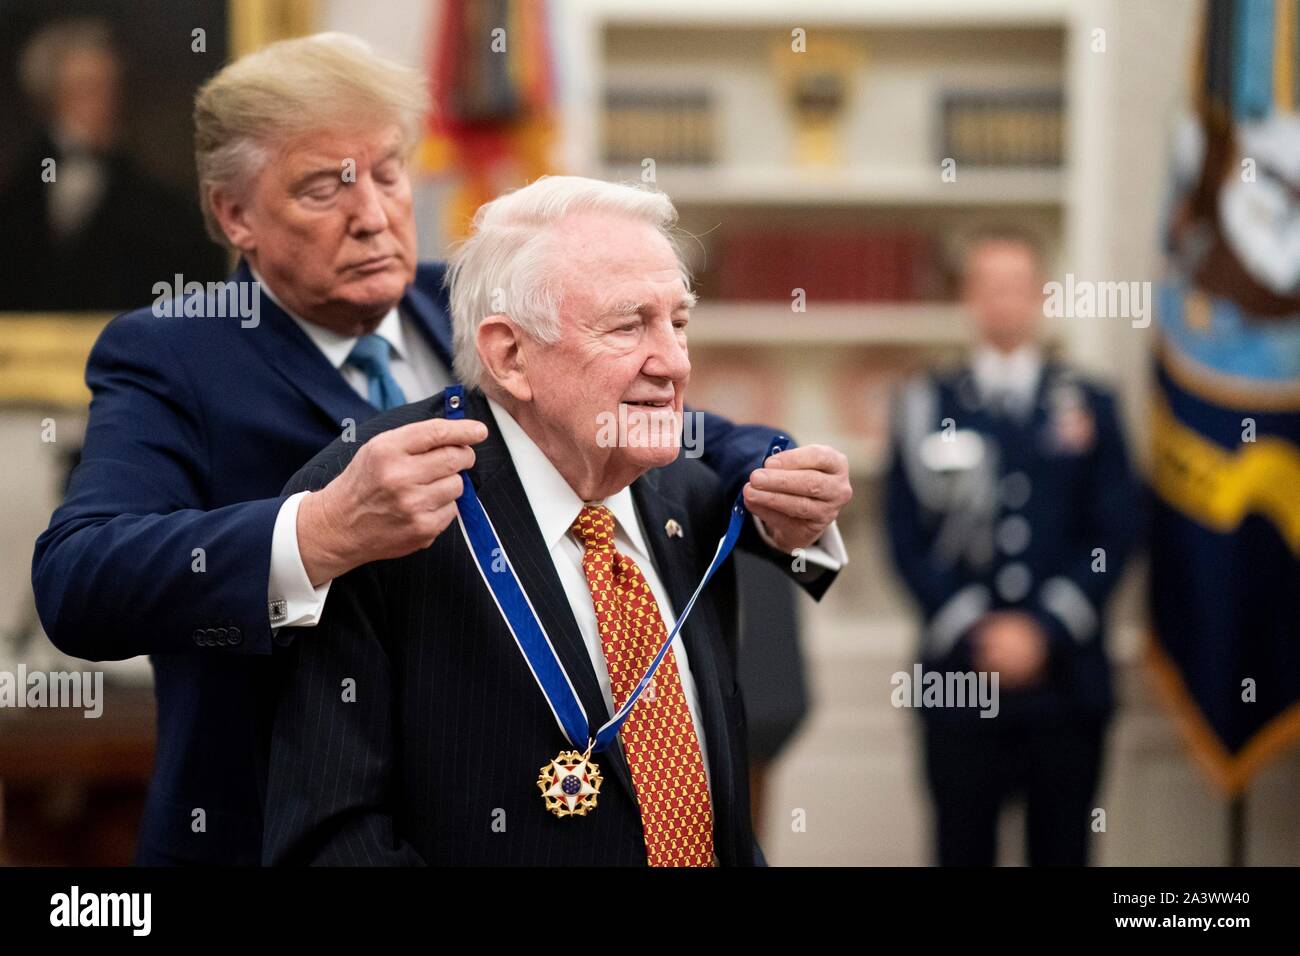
(862, 265)
(671, 127)
(1007, 128)
(977, 127)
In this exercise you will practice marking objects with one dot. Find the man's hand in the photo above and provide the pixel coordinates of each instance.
(1013, 644)
(396, 495)
(798, 493)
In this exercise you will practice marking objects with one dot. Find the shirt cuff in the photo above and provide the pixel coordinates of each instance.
(828, 552)
(291, 599)
(958, 615)
(1070, 606)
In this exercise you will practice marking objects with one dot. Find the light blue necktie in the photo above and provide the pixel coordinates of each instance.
(370, 355)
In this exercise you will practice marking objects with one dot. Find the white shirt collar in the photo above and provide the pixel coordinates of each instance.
(336, 346)
(554, 503)
(1014, 372)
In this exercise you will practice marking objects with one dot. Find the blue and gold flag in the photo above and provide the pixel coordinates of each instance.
(1225, 563)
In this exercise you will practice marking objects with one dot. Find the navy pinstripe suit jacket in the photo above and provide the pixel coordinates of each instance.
(436, 759)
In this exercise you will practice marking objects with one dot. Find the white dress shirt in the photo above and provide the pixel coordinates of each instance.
(419, 372)
(827, 552)
(555, 506)
(1011, 377)
(413, 363)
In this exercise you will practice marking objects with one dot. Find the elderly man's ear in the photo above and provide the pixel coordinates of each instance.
(232, 216)
(500, 350)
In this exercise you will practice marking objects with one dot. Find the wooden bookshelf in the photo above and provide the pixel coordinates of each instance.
(903, 58)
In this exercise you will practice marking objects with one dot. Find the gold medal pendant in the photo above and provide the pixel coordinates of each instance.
(570, 784)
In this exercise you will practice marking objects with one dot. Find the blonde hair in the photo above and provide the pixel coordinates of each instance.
(289, 88)
(504, 267)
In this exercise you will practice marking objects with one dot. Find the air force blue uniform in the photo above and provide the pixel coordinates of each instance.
(1033, 508)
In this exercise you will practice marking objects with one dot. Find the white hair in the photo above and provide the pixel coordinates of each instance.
(505, 266)
(291, 87)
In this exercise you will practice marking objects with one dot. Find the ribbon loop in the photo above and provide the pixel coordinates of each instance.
(521, 618)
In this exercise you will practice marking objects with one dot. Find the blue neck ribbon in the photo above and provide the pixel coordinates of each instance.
(521, 618)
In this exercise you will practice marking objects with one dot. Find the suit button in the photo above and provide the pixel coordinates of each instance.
(198, 637)
(1015, 489)
(210, 637)
(1014, 582)
(1013, 534)
(235, 637)
(221, 636)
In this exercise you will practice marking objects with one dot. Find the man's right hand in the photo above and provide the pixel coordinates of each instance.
(1013, 644)
(396, 495)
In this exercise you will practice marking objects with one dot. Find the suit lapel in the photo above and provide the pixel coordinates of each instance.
(676, 558)
(296, 358)
(506, 503)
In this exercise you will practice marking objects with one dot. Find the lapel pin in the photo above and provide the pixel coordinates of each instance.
(673, 529)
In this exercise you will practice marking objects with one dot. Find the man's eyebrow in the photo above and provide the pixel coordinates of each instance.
(304, 178)
(336, 172)
(687, 301)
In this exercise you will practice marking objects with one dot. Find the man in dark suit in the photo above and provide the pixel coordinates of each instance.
(409, 727)
(1011, 510)
(174, 539)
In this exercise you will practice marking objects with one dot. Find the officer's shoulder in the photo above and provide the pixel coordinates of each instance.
(330, 461)
(924, 388)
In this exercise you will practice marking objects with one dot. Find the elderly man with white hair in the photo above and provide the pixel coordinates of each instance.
(175, 539)
(528, 690)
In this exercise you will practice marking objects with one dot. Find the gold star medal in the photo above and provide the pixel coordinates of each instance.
(570, 784)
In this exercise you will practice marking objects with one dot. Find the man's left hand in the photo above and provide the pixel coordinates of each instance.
(798, 493)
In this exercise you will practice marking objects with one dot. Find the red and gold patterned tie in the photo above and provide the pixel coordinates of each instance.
(663, 751)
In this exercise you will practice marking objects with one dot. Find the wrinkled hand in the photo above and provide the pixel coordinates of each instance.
(396, 495)
(1013, 644)
(798, 493)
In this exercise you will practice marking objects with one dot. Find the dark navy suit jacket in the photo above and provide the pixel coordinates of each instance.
(436, 758)
(196, 423)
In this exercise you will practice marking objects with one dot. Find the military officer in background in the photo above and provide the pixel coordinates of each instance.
(1011, 511)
